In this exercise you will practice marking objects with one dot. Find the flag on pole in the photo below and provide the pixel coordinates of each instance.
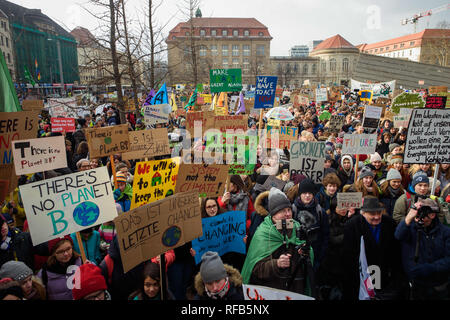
(241, 104)
(29, 77)
(148, 100)
(161, 96)
(221, 107)
(192, 101)
(213, 103)
(366, 290)
(38, 72)
(173, 102)
(8, 96)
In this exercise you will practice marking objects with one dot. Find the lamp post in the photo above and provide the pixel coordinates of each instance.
(58, 47)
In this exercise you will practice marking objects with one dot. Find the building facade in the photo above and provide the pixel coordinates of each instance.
(218, 43)
(299, 51)
(6, 44)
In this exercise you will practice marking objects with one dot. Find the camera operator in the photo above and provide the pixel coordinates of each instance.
(425, 243)
(277, 257)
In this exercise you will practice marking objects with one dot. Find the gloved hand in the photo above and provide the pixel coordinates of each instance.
(422, 270)
(117, 194)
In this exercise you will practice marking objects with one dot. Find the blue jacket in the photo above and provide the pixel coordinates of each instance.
(325, 200)
(433, 265)
(91, 247)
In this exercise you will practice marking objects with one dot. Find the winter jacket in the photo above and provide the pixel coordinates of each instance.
(261, 211)
(325, 201)
(433, 265)
(91, 247)
(345, 177)
(389, 200)
(235, 293)
(403, 204)
(18, 211)
(124, 198)
(55, 279)
(250, 210)
(20, 248)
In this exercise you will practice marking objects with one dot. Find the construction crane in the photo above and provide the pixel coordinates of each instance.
(415, 19)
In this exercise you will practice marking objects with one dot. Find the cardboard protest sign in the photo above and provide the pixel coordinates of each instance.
(241, 169)
(63, 124)
(153, 229)
(32, 105)
(336, 123)
(107, 140)
(154, 180)
(225, 80)
(321, 94)
(147, 144)
(222, 233)
(359, 144)
(428, 137)
(224, 123)
(4, 189)
(206, 180)
(307, 158)
(207, 98)
(155, 114)
(437, 89)
(254, 292)
(63, 205)
(349, 200)
(281, 137)
(274, 182)
(63, 107)
(265, 92)
(407, 100)
(445, 94)
(37, 155)
(401, 121)
(371, 116)
(435, 102)
(207, 119)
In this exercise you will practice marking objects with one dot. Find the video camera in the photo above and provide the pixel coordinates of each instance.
(308, 230)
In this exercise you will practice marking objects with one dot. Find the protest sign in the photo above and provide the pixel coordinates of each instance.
(154, 180)
(153, 229)
(273, 181)
(281, 137)
(206, 180)
(233, 104)
(32, 105)
(437, 89)
(254, 292)
(407, 100)
(401, 121)
(207, 119)
(225, 80)
(207, 98)
(436, 102)
(265, 92)
(241, 169)
(349, 200)
(307, 158)
(107, 140)
(155, 114)
(380, 90)
(321, 94)
(63, 205)
(63, 107)
(366, 95)
(37, 155)
(231, 148)
(4, 189)
(222, 233)
(371, 116)
(359, 144)
(428, 137)
(63, 124)
(147, 144)
(224, 123)
(445, 94)
(336, 123)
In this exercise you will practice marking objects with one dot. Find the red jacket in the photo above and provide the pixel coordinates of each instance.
(250, 210)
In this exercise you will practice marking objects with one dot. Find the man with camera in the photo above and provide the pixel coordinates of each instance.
(425, 245)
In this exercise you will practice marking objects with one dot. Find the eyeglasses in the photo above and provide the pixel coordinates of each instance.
(211, 207)
(60, 252)
(98, 296)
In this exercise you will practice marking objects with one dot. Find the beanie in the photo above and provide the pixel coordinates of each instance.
(277, 201)
(52, 244)
(91, 280)
(375, 157)
(392, 146)
(212, 268)
(121, 177)
(419, 177)
(10, 287)
(365, 172)
(307, 185)
(396, 159)
(17, 270)
(393, 174)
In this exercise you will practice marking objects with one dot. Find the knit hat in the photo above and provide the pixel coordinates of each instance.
(375, 157)
(396, 159)
(393, 174)
(17, 270)
(419, 177)
(392, 146)
(10, 287)
(307, 185)
(365, 172)
(91, 280)
(237, 180)
(52, 244)
(121, 177)
(212, 268)
(277, 201)
(338, 145)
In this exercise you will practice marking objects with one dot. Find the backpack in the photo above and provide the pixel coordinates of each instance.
(408, 201)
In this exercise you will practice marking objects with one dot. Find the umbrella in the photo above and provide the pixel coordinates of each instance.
(325, 115)
(279, 113)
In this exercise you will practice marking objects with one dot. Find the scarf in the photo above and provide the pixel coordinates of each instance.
(60, 268)
(240, 200)
(7, 243)
(394, 192)
(221, 293)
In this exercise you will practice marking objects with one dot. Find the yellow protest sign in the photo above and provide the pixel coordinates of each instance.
(207, 98)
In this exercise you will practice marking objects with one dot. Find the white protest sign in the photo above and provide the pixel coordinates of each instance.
(155, 114)
(307, 158)
(63, 205)
(401, 121)
(372, 116)
(359, 143)
(37, 155)
(253, 292)
(349, 200)
(321, 94)
(63, 107)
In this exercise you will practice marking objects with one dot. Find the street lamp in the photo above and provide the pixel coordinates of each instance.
(58, 46)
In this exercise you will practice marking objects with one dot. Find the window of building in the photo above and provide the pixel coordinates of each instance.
(7, 42)
(381, 49)
(187, 51)
(333, 64)
(173, 38)
(246, 64)
(305, 69)
(187, 33)
(279, 68)
(402, 45)
(376, 50)
(410, 52)
(235, 33)
(246, 50)
(214, 50)
(313, 71)
(213, 33)
(224, 32)
(295, 68)
(411, 43)
(324, 66)
(225, 63)
(246, 33)
(345, 64)
(203, 51)
(202, 33)
(9, 58)
(395, 46)
(235, 63)
(235, 52)
(260, 50)
(225, 50)
(2, 41)
(260, 34)
(387, 48)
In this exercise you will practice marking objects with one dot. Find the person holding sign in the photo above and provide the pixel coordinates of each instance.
(124, 193)
(150, 288)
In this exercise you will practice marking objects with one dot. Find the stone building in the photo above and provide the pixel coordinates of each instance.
(6, 44)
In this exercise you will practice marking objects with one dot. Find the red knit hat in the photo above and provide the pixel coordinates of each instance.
(91, 280)
(52, 243)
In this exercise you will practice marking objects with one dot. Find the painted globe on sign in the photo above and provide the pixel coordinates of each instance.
(171, 236)
(86, 213)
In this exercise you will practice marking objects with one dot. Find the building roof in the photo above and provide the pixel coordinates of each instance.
(83, 36)
(336, 42)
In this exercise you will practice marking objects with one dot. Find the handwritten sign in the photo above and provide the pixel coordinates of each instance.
(147, 144)
(359, 144)
(437, 89)
(265, 92)
(307, 158)
(67, 204)
(63, 124)
(349, 200)
(155, 114)
(273, 181)
(428, 138)
(321, 94)
(63, 107)
(108, 140)
(32, 105)
(225, 80)
(153, 229)
(281, 137)
(407, 100)
(435, 102)
(241, 169)
(372, 116)
(224, 123)
(203, 119)
(222, 233)
(336, 123)
(206, 180)
(37, 155)
(154, 180)
(401, 121)
(253, 292)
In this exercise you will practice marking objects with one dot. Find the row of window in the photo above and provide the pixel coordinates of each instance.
(4, 40)
(402, 45)
(235, 50)
(332, 62)
(213, 33)
(235, 64)
(4, 25)
(7, 57)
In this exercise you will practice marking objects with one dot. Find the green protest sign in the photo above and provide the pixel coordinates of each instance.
(225, 80)
(407, 100)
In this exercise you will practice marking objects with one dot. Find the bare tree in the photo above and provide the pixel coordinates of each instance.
(436, 50)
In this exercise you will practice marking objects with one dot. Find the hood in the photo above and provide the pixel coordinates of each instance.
(233, 276)
(351, 161)
(261, 202)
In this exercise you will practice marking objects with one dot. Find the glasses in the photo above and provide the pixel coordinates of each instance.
(98, 296)
(211, 207)
(61, 252)
(86, 166)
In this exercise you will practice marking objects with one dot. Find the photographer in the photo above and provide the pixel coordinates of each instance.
(425, 251)
(276, 257)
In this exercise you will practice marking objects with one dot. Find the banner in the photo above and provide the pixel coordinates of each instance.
(380, 90)
(321, 94)
(428, 137)
(372, 117)
(107, 140)
(222, 233)
(349, 200)
(154, 180)
(308, 158)
(63, 205)
(147, 144)
(437, 89)
(37, 155)
(155, 114)
(63, 107)
(435, 102)
(63, 125)
(225, 80)
(265, 92)
(153, 229)
(336, 123)
(253, 292)
(224, 123)
(161, 97)
(281, 137)
(206, 180)
(359, 144)
(407, 100)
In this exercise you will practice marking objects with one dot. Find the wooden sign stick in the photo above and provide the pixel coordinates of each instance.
(113, 170)
(356, 167)
(80, 245)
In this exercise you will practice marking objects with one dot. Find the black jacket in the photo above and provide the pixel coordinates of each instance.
(20, 249)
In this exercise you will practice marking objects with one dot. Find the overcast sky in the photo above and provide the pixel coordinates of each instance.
(290, 22)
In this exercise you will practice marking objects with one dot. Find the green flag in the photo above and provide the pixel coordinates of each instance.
(192, 100)
(8, 95)
(29, 77)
